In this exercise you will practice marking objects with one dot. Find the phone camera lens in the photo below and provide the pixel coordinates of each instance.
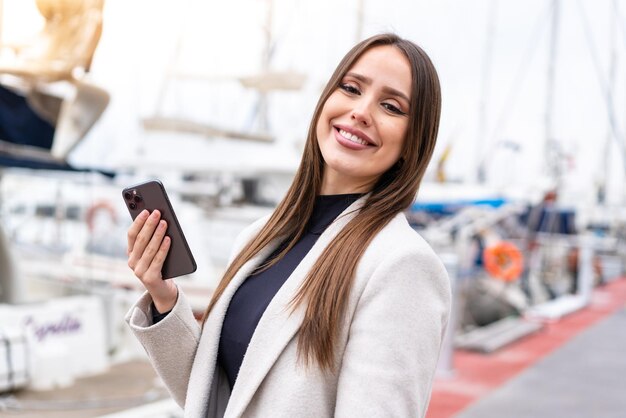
(137, 198)
(128, 195)
(132, 205)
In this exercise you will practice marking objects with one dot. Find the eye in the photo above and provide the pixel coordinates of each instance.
(349, 88)
(393, 109)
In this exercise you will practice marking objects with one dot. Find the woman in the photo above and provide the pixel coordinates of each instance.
(332, 306)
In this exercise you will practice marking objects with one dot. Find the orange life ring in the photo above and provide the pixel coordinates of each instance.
(90, 215)
(503, 261)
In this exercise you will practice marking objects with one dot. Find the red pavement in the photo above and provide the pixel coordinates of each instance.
(476, 375)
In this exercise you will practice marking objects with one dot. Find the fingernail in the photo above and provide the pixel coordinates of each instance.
(143, 214)
(162, 224)
(155, 213)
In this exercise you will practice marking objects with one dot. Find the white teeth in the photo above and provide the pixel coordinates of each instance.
(351, 137)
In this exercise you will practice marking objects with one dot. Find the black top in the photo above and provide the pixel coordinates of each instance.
(254, 295)
(256, 292)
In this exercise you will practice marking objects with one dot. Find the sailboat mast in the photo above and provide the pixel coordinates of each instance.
(1, 22)
(265, 66)
(551, 150)
(360, 5)
(605, 161)
(479, 161)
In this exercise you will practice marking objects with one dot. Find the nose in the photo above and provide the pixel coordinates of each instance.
(361, 114)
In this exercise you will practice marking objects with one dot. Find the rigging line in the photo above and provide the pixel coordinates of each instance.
(621, 23)
(520, 75)
(604, 87)
(284, 32)
(174, 61)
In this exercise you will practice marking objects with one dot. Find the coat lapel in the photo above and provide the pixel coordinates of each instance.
(278, 325)
(204, 366)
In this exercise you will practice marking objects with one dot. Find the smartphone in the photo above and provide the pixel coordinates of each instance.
(151, 195)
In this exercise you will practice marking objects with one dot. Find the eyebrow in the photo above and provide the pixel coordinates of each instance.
(386, 89)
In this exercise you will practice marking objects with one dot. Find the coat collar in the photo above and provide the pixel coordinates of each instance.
(275, 330)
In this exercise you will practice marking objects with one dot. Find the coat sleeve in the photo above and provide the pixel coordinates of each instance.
(394, 340)
(170, 344)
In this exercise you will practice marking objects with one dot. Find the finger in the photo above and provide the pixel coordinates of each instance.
(148, 254)
(159, 258)
(145, 235)
(154, 245)
(134, 229)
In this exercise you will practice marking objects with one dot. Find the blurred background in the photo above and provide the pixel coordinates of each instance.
(524, 200)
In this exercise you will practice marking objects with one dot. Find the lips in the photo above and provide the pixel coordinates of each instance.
(354, 135)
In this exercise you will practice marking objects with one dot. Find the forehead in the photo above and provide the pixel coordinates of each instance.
(385, 65)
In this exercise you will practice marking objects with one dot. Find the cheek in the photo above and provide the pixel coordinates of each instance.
(321, 137)
(332, 107)
(395, 133)
(321, 130)
(328, 113)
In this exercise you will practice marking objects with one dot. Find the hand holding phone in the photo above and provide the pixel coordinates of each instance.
(151, 196)
(147, 249)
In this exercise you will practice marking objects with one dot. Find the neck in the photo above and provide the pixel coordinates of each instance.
(334, 183)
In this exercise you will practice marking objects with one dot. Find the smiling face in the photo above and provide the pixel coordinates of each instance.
(363, 124)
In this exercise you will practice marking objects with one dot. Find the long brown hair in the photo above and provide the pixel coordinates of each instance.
(325, 290)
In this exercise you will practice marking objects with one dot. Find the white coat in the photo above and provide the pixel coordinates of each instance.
(387, 349)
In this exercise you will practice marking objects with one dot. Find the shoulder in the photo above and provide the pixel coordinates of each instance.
(399, 258)
(251, 230)
(247, 234)
(399, 241)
